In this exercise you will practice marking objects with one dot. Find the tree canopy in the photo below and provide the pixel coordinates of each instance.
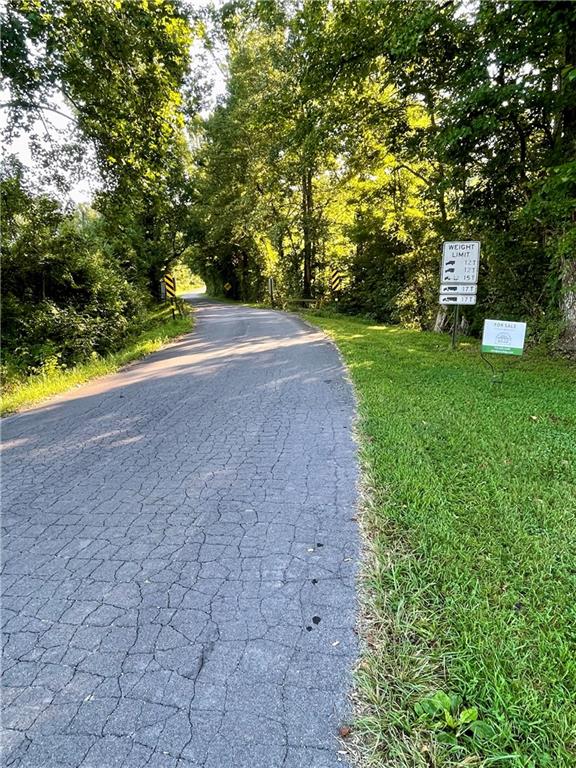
(361, 134)
(121, 68)
(353, 137)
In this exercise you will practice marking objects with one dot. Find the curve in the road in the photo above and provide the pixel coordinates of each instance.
(180, 555)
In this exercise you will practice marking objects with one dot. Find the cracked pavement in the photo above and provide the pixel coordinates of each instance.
(180, 555)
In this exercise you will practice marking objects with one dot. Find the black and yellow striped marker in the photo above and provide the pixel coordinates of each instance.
(170, 283)
(335, 279)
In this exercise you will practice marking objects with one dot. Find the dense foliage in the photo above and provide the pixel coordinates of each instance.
(64, 296)
(353, 136)
(76, 282)
(360, 134)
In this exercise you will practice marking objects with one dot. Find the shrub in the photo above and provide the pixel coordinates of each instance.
(64, 296)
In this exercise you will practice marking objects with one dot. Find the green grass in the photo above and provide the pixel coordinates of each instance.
(159, 328)
(469, 584)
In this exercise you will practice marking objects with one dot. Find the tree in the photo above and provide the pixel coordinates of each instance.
(64, 296)
(495, 153)
(120, 66)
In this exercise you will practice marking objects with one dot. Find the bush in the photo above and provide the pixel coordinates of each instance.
(64, 296)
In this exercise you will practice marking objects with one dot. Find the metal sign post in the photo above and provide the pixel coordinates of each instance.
(455, 326)
(271, 290)
(459, 277)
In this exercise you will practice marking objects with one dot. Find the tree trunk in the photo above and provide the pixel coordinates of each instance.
(148, 255)
(441, 318)
(307, 214)
(244, 277)
(568, 303)
(154, 277)
(568, 264)
(441, 315)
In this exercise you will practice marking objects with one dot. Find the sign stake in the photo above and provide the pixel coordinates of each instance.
(455, 326)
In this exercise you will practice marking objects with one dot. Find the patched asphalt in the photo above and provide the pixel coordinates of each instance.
(180, 556)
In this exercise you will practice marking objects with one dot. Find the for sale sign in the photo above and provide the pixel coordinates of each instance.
(503, 337)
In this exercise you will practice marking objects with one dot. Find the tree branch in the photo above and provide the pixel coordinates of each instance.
(37, 107)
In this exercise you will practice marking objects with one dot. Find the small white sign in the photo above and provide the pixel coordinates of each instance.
(503, 337)
(452, 290)
(460, 261)
(458, 298)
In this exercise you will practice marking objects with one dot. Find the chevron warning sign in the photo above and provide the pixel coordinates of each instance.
(170, 283)
(335, 280)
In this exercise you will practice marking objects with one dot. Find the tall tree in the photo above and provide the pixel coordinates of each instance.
(497, 85)
(120, 65)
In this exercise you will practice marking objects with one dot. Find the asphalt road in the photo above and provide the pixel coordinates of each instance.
(180, 556)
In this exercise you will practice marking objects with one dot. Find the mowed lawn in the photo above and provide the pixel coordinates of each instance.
(469, 586)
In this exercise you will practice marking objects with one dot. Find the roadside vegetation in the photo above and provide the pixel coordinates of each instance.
(470, 527)
(79, 280)
(157, 327)
(355, 137)
(351, 140)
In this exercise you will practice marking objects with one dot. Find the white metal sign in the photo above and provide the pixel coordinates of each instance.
(460, 261)
(451, 290)
(503, 337)
(458, 298)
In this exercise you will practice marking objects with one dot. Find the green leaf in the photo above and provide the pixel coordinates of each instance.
(427, 707)
(455, 702)
(482, 730)
(468, 715)
(447, 738)
(451, 721)
(443, 700)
